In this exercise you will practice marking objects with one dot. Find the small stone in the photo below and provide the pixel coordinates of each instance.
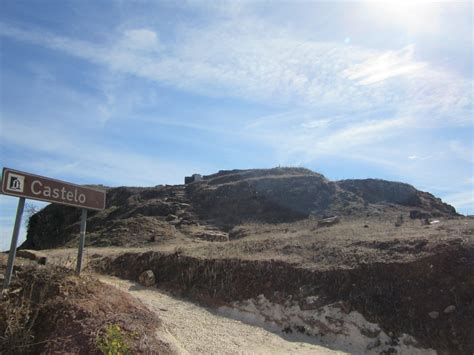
(147, 278)
(433, 315)
(450, 309)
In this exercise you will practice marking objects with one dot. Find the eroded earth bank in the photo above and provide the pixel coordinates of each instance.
(379, 307)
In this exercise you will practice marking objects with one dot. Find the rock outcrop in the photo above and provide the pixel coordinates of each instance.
(210, 208)
(381, 191)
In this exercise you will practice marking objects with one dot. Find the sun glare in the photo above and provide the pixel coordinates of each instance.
(413, 16)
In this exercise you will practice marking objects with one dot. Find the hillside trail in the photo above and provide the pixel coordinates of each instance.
(192, 329)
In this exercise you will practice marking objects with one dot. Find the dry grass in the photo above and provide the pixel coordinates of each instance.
(52, 310)
(17, 318)
(352, 242)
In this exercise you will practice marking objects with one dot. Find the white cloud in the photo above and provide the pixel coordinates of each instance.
(385, 66)
(227, 59)
(300, 137)
(320, 123)
(363, 133)
(423, 157)
(140, 39)
(415, 16)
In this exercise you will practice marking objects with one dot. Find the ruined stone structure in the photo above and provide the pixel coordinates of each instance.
(193, 178)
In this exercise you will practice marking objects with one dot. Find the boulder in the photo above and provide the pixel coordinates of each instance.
(147, 278)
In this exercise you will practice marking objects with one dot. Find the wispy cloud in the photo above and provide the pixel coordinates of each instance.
(227, 59)
(140, 39)
(332, 99)
(385, 66)
(309, 139)
(362, 133)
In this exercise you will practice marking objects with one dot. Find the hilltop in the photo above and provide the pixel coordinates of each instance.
(211, 208)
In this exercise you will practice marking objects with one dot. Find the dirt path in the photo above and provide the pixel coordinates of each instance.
(196, 330)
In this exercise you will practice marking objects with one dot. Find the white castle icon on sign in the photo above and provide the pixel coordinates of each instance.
(15, 182)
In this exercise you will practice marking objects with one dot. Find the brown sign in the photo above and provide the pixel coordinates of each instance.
(21, 184)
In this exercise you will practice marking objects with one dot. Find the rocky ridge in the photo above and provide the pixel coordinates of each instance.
(211, 208)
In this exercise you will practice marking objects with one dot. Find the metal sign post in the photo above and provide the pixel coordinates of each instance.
(16, 232)
(82, 239)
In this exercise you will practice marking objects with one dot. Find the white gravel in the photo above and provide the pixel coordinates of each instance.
(193, 329)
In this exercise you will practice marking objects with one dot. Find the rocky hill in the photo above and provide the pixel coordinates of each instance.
(212, 208)
(392, 275)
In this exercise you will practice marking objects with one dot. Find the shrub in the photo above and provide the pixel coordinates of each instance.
(113, 341)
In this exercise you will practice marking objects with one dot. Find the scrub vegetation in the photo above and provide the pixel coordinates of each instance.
(49, 309)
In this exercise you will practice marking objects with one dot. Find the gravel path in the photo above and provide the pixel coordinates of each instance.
(192, 329)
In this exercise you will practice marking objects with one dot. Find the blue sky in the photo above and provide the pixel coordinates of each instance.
(143, 93)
